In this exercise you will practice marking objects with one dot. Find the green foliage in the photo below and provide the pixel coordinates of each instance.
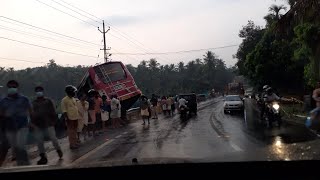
(197, 76)
(283, 59)
(309, 74)
(307, 34)
(271, 63)
(251, 35)
(304, 42)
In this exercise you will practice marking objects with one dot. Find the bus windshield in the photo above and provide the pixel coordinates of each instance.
(110, 72)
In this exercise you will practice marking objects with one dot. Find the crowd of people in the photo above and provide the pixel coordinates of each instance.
(85, 114)
(151, 107)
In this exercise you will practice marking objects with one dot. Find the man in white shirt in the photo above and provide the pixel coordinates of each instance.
(182, 102)
(115, 112)
(270, 96)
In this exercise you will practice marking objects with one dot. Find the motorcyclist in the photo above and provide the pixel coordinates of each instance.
(270, 96)
(261, 100)
(182, 102)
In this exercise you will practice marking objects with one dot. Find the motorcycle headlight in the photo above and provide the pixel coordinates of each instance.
(276, 106)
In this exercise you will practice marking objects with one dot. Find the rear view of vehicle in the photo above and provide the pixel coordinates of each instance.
(192, 102)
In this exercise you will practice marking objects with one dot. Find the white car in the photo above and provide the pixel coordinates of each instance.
(233, 103)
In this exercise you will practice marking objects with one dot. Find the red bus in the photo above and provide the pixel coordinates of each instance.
(111, 78)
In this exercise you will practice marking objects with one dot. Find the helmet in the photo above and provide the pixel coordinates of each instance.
(70, 89)
(92, 92)
(269, 90)
(265, 87)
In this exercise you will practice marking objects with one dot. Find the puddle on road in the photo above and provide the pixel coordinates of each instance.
(288, 135)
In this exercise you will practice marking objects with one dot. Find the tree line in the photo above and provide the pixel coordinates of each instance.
(52, 77)
(200, 76)
(284, 53)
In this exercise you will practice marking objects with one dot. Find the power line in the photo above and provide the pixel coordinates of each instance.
(76, 12)
(129, 57)
(66, 13)
(92, 16)
(139, 47)
(22, 60)
(124, 35)
(83, 20)
(40, 37)
(178, 52)
(81, 10)
(63, 35)
(44, 47)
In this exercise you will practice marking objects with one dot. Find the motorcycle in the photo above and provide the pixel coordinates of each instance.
(272, 114)
(183, 112)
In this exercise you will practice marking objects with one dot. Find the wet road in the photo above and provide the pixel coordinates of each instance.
(212, 136)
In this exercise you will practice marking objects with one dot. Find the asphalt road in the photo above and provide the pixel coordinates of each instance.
(211, 136)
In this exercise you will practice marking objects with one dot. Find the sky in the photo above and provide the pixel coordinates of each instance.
(136, 26)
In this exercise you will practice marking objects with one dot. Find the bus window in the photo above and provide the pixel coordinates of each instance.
(110, 72)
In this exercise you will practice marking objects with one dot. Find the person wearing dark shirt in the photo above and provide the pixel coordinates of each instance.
(15, 111)
(92, 113)
(154, 102)
(43, 120)
(105, 111)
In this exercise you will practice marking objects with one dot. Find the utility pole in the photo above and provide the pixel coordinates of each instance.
(104, 32)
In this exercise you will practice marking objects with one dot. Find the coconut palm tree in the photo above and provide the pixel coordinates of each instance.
(275, 10)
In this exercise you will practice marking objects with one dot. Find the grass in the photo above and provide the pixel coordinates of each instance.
(294, 109)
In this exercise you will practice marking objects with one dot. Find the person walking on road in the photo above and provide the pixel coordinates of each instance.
(43, 121)
(144, 106)
(105, 110)
(92, 113)
(115, 112)
(83, 107)
(173, 106)
(164, 105)
(15, 112)
(169, 105)
(71, 115)
(97, 109)
(154, 103)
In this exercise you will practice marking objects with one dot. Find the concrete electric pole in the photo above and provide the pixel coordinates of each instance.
(104, 32)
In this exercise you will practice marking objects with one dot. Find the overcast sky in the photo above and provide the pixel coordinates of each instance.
(137, 26)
